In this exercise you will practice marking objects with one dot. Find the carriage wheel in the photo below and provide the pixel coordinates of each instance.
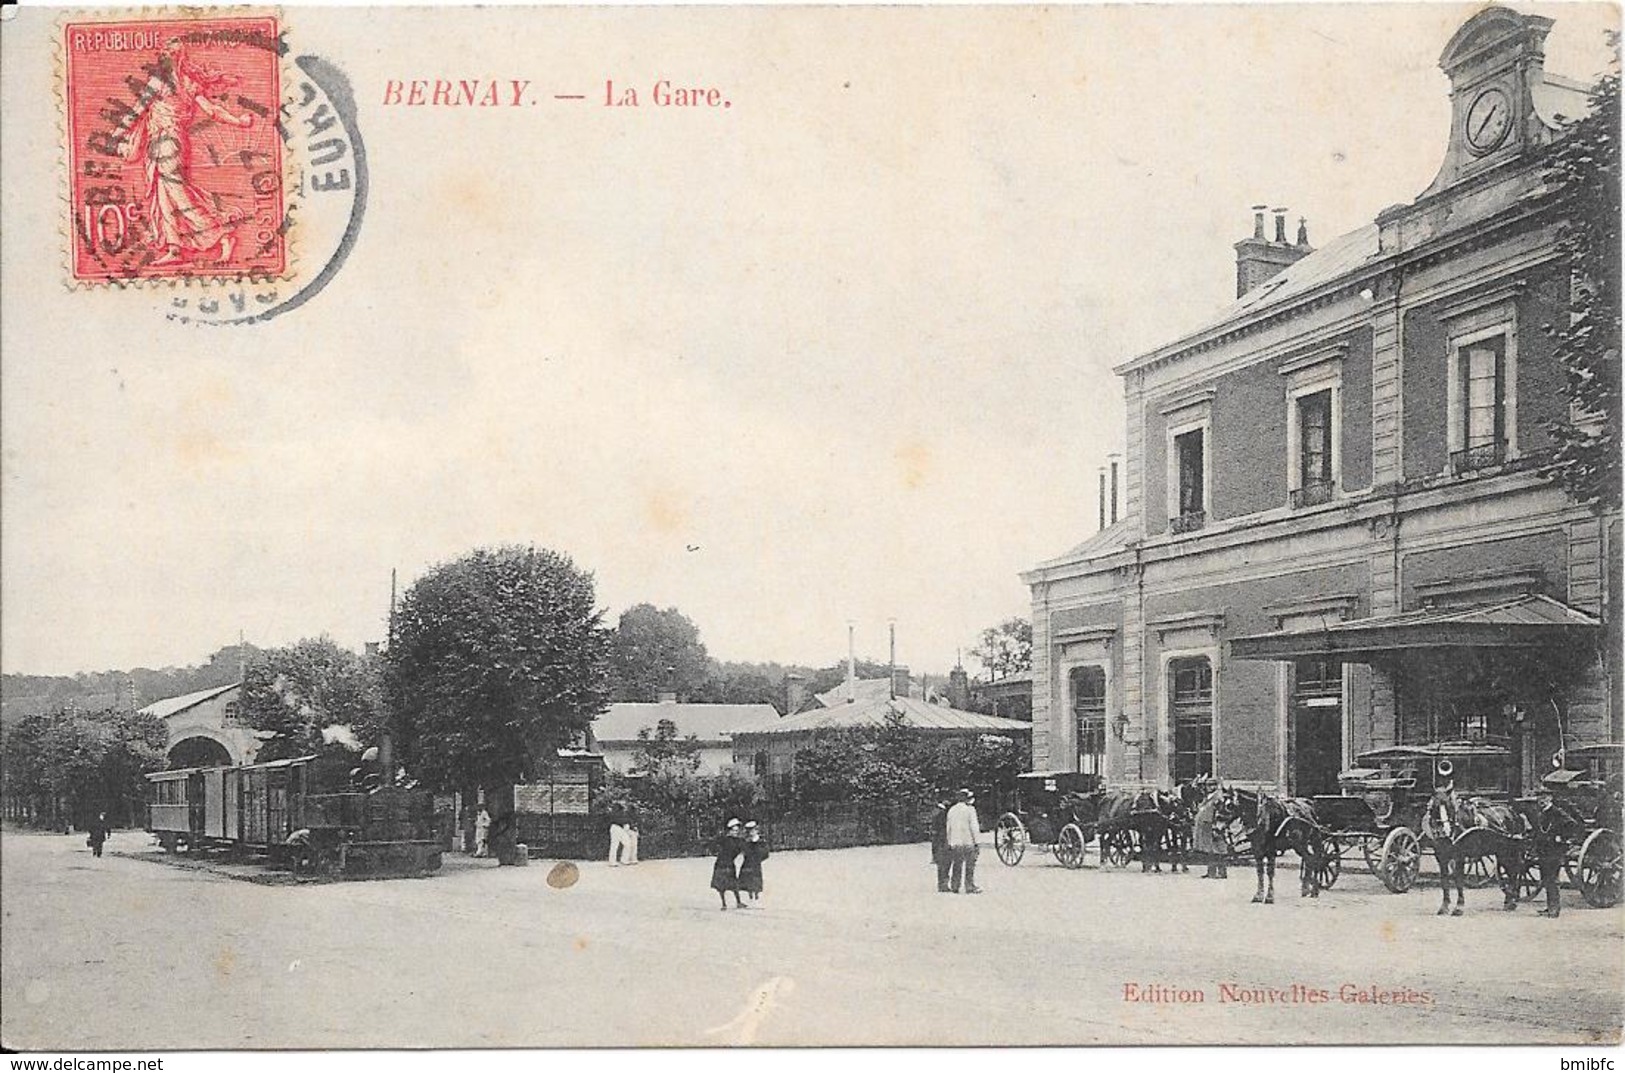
(1069, 846)
(1401, 860)
(1330, 865)
(1478, 872)
(1010, 839)
(1370, 849)
(1116, 848)
(1598, 872)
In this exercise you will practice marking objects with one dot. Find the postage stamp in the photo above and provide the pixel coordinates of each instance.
(175, 150)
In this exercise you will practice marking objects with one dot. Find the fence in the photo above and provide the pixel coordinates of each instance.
(661, 835)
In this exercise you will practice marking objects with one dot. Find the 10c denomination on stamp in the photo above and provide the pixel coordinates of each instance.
(175, 151)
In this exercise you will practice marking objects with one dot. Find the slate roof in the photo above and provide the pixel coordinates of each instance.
(707, 722)
(163, 709)
(872, 713)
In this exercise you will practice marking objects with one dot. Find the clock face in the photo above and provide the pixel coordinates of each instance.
(1488, 120)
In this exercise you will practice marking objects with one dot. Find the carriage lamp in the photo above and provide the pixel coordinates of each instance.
(1120, 727)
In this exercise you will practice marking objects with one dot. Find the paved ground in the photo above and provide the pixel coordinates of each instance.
(849, 946)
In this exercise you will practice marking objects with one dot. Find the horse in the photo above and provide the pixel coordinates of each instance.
(1152, 815)
(1460, 829)
(1274, 826)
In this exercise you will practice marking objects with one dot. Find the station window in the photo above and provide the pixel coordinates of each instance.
(1190, 692)
(1190, 461)
(1481, 369)
(1089, 716)
(1315, 470)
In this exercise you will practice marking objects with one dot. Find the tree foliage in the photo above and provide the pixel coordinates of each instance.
(655, 650)
(1006, 649)
(894, 764)
(299, 691)
(91, 760)
(1584, 170)
(498, 660)
(664, 752)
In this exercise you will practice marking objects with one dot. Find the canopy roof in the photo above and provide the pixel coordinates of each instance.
(1524, 621)
(932, 718)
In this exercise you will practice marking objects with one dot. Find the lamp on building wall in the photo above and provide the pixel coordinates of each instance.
(1120, 727)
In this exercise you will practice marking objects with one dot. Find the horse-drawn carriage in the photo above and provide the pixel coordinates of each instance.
(1385, 797)
(1586, 796)
(1063, 811)
(1044, 816)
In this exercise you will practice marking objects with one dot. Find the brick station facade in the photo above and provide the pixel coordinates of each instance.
(1335, 536)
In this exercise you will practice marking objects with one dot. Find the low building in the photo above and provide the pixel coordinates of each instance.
(204, 730)
(769, 751)
(615, 732)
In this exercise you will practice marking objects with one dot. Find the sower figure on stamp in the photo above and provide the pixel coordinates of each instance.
(964, 832)
(750, 867)
(939, 843)
(182, 217)
(724, 876)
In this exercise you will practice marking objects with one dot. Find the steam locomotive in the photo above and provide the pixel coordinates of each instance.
(302, 813)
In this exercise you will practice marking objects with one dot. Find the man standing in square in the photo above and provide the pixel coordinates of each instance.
(964, 833)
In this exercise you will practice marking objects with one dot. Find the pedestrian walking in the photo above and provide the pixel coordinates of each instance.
(482, 833)
(98, 833)
(1207, 837)
(939, 843)
(632, 818)
(964, 834)
(724, 875)
(750, 865)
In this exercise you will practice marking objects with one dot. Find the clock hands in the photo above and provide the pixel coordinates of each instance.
(1495, 111)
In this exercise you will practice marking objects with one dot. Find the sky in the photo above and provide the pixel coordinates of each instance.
(838, 353)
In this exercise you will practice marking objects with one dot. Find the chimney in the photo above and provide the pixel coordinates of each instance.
(1258, 259)
(851, 663)
(1103, 497)
(958, 688)
(899, 681)
(795, 693)
(891, 660)
(1114, 457)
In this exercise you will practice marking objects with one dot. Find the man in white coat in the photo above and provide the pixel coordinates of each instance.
(964, 834)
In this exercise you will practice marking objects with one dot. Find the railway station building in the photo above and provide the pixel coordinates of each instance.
(1335, 534)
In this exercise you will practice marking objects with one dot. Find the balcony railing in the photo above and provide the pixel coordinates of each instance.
(1482, 456)
(1188, 522)
(1312, 494)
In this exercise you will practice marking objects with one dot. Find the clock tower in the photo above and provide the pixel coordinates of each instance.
(1495, 64)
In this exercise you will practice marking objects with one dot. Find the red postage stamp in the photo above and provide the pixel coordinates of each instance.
(175, 152)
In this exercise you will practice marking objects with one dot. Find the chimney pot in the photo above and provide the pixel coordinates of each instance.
(1280, 226)
(1103, 497)
(1303, 231)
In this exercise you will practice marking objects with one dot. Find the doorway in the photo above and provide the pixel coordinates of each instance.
(1316, 727)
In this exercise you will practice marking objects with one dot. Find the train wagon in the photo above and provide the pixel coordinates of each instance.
(300, 813)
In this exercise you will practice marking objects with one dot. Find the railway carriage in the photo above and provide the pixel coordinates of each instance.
(301, 812)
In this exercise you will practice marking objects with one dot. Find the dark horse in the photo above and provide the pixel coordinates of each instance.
(1154, 817)
(1275, 825)
(1460, 830)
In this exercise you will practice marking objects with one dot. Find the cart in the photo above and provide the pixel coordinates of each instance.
(1586, 788)
(1383, 800)
(1044, 817)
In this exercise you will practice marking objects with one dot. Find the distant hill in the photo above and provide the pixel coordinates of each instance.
(22, 695)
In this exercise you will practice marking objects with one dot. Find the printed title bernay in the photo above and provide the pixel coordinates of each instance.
(514, 92)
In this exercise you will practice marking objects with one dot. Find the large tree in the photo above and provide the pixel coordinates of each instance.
(655, 650)
(497, 660)
(1584, 168)
(70, 763)
(300, 691)
(1006, 649)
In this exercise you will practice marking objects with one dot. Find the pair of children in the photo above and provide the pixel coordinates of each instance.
(744, 844)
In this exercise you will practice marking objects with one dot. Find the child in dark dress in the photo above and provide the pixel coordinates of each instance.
(750, 869)
(724, 878)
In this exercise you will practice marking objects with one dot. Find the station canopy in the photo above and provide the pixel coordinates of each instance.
(1528, 621)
